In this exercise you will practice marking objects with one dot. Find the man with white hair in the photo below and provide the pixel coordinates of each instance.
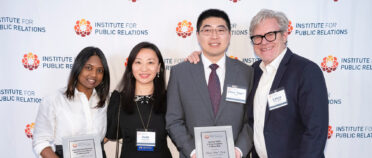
(289, 97)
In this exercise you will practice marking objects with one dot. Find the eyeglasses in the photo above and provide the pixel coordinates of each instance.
(270, 36)
(209, 31)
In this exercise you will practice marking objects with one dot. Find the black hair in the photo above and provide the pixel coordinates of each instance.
(127, 85)
(103, 88)
(212, 13)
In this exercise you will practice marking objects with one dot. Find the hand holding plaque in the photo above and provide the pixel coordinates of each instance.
(87, 146)
(214, 142)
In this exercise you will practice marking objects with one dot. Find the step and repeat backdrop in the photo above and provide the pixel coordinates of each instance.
(40, 39)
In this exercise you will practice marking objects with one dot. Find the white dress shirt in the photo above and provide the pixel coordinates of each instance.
(60, 117)
(220, 71)
(260, 103)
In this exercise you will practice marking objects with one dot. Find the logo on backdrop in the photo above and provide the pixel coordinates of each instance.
(133, 1)
(238, 30)
(319, 29)
(30, 61)
(329, 63)
(184, 29)
(330, 132)
(20, 24)
(30, 130)
(333, 100)
(233, 57)
(126, 62)
(19, 95)
(250, 61)
(350, 132)
(83, 28)
(169, 62)
(290, 27)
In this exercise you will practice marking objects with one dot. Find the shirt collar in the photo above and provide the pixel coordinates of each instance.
(274, 65)
(94, 93)
(206, 62)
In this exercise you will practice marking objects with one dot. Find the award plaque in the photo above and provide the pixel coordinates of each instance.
(87, 146)
(214, 142)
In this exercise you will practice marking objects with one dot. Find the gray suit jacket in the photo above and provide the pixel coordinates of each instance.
(189, 105)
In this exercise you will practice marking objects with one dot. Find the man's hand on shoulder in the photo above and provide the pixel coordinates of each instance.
(193, 58)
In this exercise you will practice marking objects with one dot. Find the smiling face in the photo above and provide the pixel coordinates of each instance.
(214, 37)
(145, 66)
(268, 51)
(90, 75)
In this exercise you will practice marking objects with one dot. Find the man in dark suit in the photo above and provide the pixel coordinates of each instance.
(197, 93)
(289, 97)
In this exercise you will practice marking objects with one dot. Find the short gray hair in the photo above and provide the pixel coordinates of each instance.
(263, 14)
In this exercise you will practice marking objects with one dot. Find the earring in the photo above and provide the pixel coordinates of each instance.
(157, 75)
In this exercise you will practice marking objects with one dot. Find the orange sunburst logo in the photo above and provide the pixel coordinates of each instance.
(330, 132)
(83, 27)
(290, 27)
(329, 63)
(184, 29)
(30, 61)
(126, 62)
(30, 130)
(233, 57)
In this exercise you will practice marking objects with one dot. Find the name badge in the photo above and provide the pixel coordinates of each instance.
(145, 141)
(277, 99)
(236, 93)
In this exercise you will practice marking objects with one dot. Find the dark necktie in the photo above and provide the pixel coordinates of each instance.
(214, 88)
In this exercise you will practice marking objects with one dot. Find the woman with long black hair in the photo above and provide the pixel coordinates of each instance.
(140, 104)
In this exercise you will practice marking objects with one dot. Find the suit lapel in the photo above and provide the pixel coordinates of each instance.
(278, 77)
(256, 79)
(230, 76)
(198, 76)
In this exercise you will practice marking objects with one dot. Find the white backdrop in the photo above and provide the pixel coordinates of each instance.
(40, 35)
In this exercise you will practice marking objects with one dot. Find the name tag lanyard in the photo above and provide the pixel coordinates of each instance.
(146, 139)
(140, 115)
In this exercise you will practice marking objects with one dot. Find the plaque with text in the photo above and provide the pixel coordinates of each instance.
(214, 142)
(87, 146)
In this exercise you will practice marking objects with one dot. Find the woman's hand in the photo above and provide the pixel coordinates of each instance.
(48, 153)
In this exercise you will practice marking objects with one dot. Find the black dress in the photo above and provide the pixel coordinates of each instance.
(129, 123)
